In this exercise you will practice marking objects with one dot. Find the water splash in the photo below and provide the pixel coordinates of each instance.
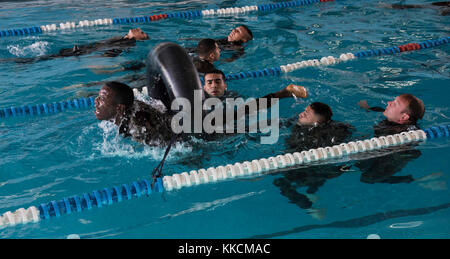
(114, 145)
(38, 48)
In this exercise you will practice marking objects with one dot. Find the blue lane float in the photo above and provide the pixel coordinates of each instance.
(47, 108)
(98, 198)
(137, 189)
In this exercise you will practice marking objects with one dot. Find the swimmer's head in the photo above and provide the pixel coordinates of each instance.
(405, 109)
(137, 34)
(113, 98)
(215, 83)
(315, 114)
(208, 49)
(240, 34)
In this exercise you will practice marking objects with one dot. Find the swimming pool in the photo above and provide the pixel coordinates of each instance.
(50, 157)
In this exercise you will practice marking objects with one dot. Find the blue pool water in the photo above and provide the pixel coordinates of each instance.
(51, 157)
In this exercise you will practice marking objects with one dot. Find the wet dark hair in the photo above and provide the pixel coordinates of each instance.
(248, 31)
(215, 71)
(205, 47)
(123, 93)
(322, 110)
(415, 108)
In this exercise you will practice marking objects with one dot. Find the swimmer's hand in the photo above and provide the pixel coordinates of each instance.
(364, 105)
(297, 90)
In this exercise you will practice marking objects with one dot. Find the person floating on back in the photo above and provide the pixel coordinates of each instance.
(112, 47)
(443, 7)
(233, 44)
(314, 128)
(401, 114)
(109, 48)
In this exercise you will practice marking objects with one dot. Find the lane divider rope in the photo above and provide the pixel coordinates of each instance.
(116, 194)
(330, 60)
(47, 108)
(157, 17)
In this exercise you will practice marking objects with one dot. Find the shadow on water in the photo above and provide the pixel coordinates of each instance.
(358, 222)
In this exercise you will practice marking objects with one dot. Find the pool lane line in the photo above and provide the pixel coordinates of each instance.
(47, 108)
(146, 19)
(330, 60)
(116, 194)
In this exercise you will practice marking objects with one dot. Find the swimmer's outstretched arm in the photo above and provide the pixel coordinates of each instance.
(290, 91)
(287, 92)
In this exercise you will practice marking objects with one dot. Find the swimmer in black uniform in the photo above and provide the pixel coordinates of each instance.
(111, 47)
(135, 119)
(234, 43)
(208, 52)
(215, 86)
(170, 75)
(314, 129)
(401, 114)
(443, 7)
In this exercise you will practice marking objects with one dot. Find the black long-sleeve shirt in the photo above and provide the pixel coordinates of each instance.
(110, 48)
(443, 7)
(382, 169)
